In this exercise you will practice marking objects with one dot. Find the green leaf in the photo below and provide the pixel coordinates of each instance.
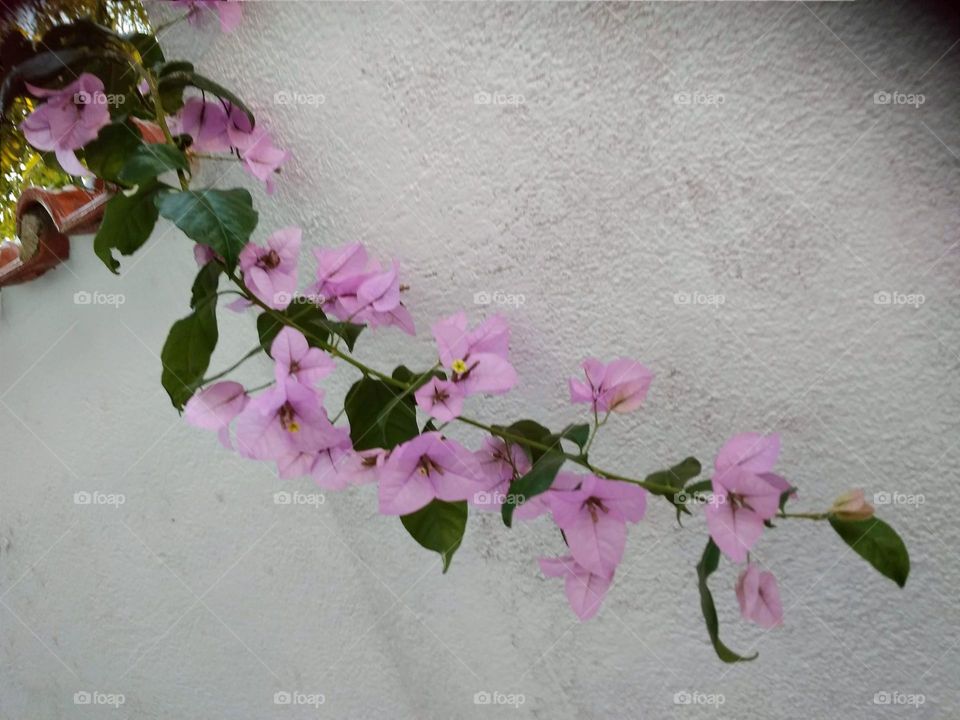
(222, 219)
(112, 148)
(708, 563)
(537, 481)
(675, 478)
(171, 79)
(578, 434)
(148, 47)
(438, 526)
(878, 544)
(530, 430)
(418, 380)
(346, 330)
(126, 225)
(205, 285)
(148, 161)
(191, 342)
(380, 415)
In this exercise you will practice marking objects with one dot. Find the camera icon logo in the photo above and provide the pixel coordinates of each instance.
(482, 698)
(82, 498)
(881, 97)
(882, 498)
(281, 697)
(882, 698)
(482, 98)
(682, 697)
(482, 298)
(482, 498)
(282, 498)
(82, 297)
(82, 698)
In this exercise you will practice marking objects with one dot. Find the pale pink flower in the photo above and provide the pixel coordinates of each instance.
(759, 597)
(585, 590)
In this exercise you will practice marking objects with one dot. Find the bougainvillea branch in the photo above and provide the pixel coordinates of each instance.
(394, 434)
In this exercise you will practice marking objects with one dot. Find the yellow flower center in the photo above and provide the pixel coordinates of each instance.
(458, 366)
(293, 427)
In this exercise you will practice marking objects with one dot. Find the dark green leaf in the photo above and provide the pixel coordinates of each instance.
(537, 481)
(418, 380)
(380, 415)
(529, 430)
(578, 434)
(348, 331)
(186, 353)
(148, 47)
(175, 66)
(222, 219)
(708, 563)
(205, 285)
(112, 148)
(126, 225)
(675, 478)
(439, 526)
(786, 495)
(171, 79)
(878, 544)
(148, 161)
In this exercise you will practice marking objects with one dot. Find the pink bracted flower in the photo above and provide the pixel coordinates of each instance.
(270, 272)
(620, 386)
(215, 407)
(498, 464)
(745, 492)
(283, 421)
(594, 520)
(362, 467)
(70, 118)
(585, 590)
(294, 358)
(428, 466)
(230, 12)
(759, 597)
(441, 399)
(476, 360)
(206, 124)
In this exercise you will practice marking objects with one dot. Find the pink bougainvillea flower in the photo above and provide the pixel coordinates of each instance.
(262, 159)
(620, 386)
(745, 493)
(203, 254)
(206, 124)
(498, 465)
(328, 465)
(70, 118)
(594, 520)
(294, 358)
(284, 420)
(585, 590)
(229, 11)
(271, 272)
(477, 360)
(852, 505)
(441, 399)
(214, 407)
(538, 505)
(353, 288)
(428, 466)
(362, 467)
(759, 597)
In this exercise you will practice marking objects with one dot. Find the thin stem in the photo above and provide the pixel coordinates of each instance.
(158, 115)
(170, 23)
(233, 367)
(805, 516)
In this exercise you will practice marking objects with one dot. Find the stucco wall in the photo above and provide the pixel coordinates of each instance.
(598, 199)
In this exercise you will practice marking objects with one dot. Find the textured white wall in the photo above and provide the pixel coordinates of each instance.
(597, 199)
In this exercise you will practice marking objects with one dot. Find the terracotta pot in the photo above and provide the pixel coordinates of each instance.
(45, 220)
